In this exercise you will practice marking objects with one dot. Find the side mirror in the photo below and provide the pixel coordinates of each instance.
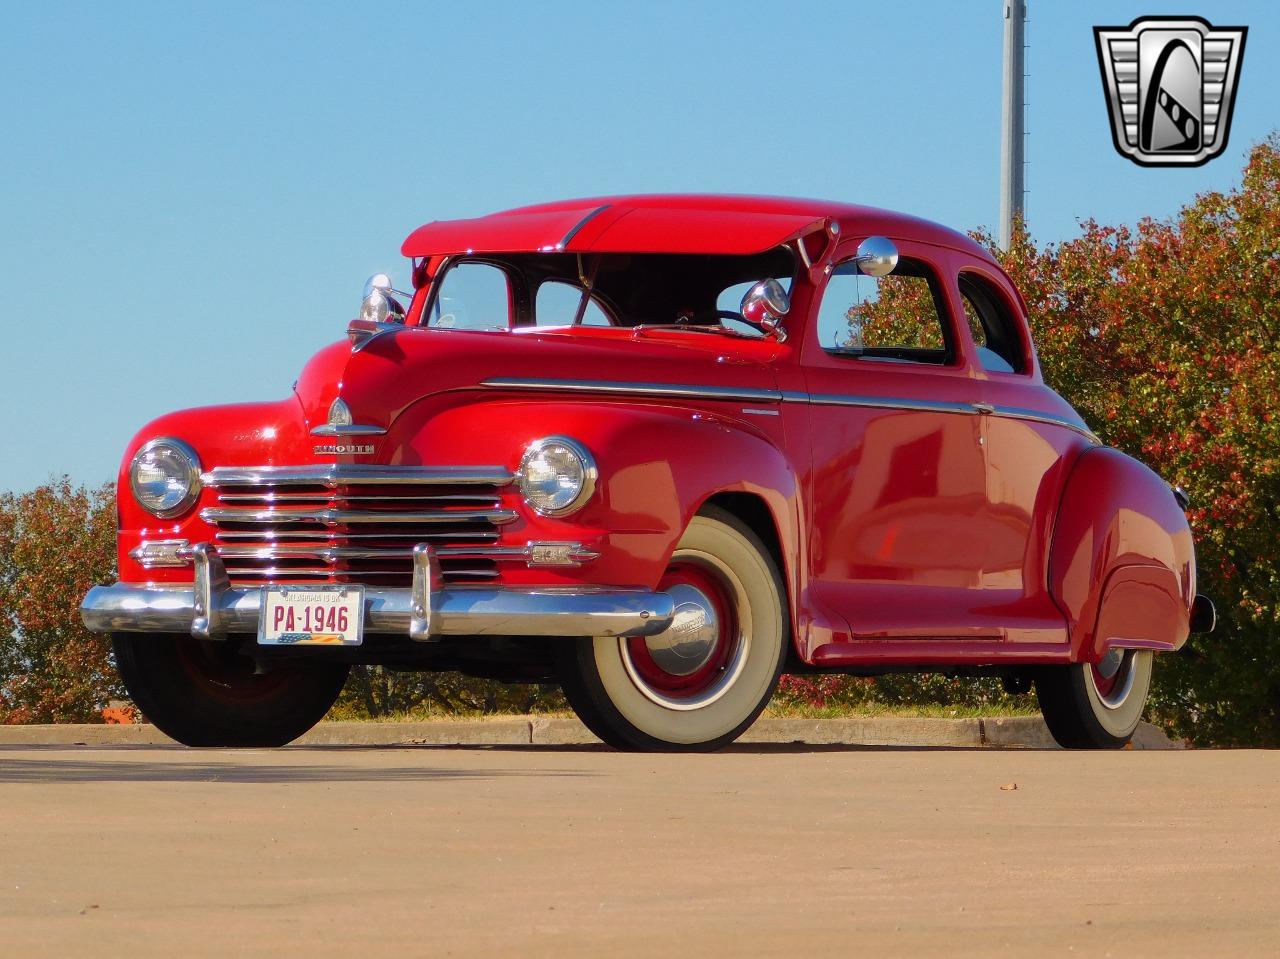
(378, 305)
(764, 305)
(876, 256)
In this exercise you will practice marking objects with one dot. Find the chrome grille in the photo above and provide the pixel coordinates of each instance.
(356, 523)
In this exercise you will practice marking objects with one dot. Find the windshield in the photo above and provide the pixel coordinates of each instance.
(696, 292)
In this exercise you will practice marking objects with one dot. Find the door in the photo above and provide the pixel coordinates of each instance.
(1029, 455)
(897, 485)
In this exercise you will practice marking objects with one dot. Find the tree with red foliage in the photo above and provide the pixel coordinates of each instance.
(1165, 336)
(55, 543)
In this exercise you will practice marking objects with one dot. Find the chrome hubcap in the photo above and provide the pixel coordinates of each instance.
(1118, 671)
(700, 656)
(1110, 664)
(690, 641)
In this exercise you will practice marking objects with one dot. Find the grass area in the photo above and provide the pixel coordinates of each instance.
(379, 695)
(926, 711)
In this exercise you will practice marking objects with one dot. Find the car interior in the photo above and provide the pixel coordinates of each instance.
(625, 289)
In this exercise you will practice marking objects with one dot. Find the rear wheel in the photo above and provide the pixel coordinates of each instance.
(208, 694)
(703, 681)
(1096, 705)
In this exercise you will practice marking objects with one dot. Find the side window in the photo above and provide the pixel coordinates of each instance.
(894, 317)
(557, 305)
(995, 331)
(472, 296)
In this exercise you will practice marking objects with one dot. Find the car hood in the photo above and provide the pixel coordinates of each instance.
(386, 374)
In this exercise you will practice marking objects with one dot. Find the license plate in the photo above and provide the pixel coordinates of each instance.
(311, 616)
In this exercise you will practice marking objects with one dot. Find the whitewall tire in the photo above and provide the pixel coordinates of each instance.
(703, 681)
(1096, 705)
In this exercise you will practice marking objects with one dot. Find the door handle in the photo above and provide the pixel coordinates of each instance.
(986, 409)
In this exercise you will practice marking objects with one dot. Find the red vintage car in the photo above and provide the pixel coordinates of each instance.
(659, 450)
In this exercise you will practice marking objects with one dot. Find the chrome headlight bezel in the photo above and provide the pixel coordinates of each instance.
(189, 473)
(590, 475)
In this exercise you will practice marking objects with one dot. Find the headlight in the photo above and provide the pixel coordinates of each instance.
(557, 475)
(165, 477)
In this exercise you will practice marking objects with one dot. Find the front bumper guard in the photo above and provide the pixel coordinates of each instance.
(211, 608)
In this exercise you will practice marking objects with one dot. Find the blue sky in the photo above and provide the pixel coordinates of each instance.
(191, 196)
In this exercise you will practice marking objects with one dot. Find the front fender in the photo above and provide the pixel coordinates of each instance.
(238, 434)
(658, 466)
(1122, 563)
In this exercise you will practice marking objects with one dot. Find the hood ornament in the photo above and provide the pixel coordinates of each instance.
(339, 413)
(340, 424)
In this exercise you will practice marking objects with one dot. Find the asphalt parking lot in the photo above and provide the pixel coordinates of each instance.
(578, 851)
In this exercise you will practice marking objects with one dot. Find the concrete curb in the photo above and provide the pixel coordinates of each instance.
(1010, 732)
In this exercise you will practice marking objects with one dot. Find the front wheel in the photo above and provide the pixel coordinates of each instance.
(209, 694)
(702, 682)
(1096, 705)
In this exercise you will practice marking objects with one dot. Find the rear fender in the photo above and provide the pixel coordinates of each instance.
(1122, 563)
(1140, 608)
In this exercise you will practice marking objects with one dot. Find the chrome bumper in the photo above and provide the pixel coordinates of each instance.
(211, 608)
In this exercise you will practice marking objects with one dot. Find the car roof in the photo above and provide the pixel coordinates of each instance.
(670, 223)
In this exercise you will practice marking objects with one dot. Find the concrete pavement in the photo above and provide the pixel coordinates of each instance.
(763, 850)
(557, 731)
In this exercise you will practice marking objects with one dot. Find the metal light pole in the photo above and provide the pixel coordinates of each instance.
(1013, 120)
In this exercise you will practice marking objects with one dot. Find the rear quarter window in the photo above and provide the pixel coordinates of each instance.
(995, 330)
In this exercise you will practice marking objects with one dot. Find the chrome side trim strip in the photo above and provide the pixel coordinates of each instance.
(356, 475)
(455, 611)
(568, 237)
(752, 394)
(349, 429)
(1035, 416)
(676, 390)
(896, 403)
(344, 517)
(888, 403)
